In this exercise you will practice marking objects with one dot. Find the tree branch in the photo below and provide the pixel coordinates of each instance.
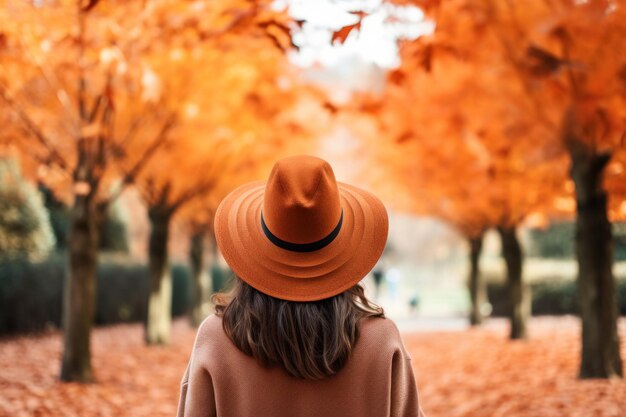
(193, 193)
(32, 127)
(135, 170)
(136, 124)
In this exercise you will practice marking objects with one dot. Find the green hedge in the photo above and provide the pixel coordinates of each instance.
(31, 293)
(548, 298)
(221, 279)
(559, 241)
(114, 230)
(59, 215)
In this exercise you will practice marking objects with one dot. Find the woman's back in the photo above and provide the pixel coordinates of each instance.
(297, 336)
(377, 380)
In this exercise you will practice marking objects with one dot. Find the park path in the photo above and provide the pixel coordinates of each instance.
(460, 373)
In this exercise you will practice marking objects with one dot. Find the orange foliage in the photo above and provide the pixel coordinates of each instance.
(462, 147)
(175, 102)
(116, 79)
(234, 116)
(527, 79)
(474, 118)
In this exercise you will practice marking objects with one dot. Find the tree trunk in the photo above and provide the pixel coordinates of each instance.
(201, 281)
(476, 286)
(159, 317)
(519, 293)
(79, 293)
(596, 284)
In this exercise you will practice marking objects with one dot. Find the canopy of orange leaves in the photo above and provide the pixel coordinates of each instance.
(473, 118)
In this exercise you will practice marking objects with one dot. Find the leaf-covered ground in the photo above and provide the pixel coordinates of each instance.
(475, 373)
(479, 373)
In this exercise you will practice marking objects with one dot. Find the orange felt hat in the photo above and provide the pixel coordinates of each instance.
(302, 236)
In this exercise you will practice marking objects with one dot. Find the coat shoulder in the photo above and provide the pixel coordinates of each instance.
(210, 332)
(210, 324)
(382, 333)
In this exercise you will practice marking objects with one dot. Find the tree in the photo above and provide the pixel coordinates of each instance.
(78, 77)
(566, 58)
(229, 120)
(64, 97)
(455, 140)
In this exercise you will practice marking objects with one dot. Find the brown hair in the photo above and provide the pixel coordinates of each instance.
(310, 340)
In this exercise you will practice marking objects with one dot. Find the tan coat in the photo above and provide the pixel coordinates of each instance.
(377, 380)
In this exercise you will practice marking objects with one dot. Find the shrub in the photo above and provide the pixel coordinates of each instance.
(114, 231)
(59, 215)
(181, 290)
(123, 288)
(552, 297)
(31, 293)
(220, 278)
(559, 241)
(556, 241)
(122, 292)
(24, 224)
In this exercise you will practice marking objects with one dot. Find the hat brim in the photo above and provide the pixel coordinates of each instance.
(301, 276)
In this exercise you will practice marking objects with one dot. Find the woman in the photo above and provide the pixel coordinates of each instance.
(297, 336)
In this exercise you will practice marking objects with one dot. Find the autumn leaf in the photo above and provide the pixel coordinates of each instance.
(342, 34)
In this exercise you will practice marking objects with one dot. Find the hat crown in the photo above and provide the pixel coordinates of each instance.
(301, 202)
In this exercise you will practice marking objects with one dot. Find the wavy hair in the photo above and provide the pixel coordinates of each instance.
(310, 340)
